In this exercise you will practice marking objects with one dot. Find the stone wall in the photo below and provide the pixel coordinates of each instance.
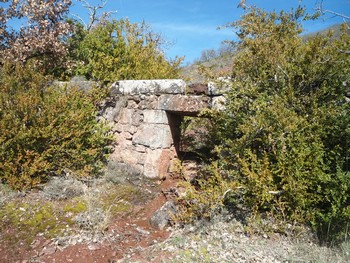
(146, 117)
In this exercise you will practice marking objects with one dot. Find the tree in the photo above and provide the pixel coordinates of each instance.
(208, 54)
(42, 36)
(118, 49)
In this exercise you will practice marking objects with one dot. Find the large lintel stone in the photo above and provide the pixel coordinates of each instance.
(158, 86)
(186, 104)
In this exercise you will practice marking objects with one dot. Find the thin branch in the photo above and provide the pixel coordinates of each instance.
(334, 13)
(81, 20)
(93, 13)
(320, 9)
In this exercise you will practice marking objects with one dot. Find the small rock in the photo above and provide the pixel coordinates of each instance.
(142, 231)
(46, 243)
(93, 247)
(35, 244)
(48, 250)
(163, 215)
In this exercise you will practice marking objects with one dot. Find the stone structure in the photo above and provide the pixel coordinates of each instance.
(146, 117)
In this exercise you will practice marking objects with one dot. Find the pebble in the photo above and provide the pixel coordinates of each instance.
(142, 231)
(48, 250)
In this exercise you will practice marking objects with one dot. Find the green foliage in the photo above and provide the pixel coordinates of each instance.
(205, 196)
(194, 137)
(46, 131)
(284, 137)
(119, 49)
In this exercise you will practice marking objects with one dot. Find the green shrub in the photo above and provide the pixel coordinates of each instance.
(284, 135)
(118, 49)
(46, 131)
(205, 196)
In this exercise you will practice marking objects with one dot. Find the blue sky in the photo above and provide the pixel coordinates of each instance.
(191, 25)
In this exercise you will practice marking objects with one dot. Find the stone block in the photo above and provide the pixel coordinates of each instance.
(125, 136)
(124, 128)
(156, 163)
(118, 172)
(111, 107)
(78, 82)
(155, 116)
(125, 116)
(218, 103)
(110, 113)
(130, 156)
(140, 148)
(184, 104)
(219, 87)
(123, 143)
(158, 86)
(136, 118)
(148, 105)
(153, 136)
(132, 104)
(198, 89)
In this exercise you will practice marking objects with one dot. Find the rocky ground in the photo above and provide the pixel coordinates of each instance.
(220, 241)
(72, 222)
(131, 235)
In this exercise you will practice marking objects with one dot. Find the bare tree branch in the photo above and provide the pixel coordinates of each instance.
(80, 19)
(94, 17)
(319, 8)
(322, 10)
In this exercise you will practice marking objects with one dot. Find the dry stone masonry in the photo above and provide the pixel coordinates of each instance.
(146, 117)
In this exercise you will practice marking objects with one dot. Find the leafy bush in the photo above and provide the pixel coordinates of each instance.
(284, 135)
(46, 131)
(204, 196)
(119, 49)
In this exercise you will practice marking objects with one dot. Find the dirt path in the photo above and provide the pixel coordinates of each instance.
(129, 236)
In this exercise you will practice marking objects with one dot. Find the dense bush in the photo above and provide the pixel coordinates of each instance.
(284, 137)
(118, 49)
(46, 131)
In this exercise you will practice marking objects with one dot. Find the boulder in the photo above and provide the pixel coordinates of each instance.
(163, 216)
